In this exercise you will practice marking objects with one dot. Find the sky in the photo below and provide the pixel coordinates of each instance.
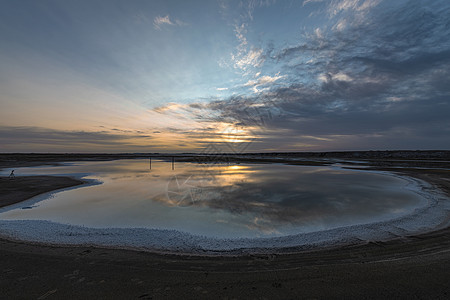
(224, 76)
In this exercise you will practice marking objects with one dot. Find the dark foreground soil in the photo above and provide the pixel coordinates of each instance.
(414, 267)
(14, 190)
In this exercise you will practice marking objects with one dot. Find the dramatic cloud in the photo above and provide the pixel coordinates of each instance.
(270, 75)
(381, 83)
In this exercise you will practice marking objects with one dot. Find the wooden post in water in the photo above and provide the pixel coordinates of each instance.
(150, 163)
(173, 162)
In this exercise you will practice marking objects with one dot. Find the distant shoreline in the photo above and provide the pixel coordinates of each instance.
(29, 159)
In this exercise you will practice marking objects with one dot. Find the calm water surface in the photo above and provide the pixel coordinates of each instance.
(219, 200)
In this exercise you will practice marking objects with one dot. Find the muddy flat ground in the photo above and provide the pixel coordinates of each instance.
(412, 267)
(14, 190)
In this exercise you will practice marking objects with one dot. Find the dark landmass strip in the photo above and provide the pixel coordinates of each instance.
(14, 190)
(407, 158)
(407, 267)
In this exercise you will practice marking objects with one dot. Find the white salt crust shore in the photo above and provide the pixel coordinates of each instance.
(433, 214)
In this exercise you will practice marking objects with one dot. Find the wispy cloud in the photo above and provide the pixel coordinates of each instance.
(262, 81)
(246, 57)
(251, 5)
(351, 12)
(168, 107)
(311, 1)
(160, 21)
(339, 6)
(251, 58)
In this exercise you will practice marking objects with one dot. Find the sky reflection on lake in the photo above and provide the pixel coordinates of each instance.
(220, 200)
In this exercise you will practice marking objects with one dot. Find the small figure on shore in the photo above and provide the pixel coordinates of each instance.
(12, 174)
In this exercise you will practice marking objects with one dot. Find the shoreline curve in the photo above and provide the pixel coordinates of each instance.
(176, 242)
